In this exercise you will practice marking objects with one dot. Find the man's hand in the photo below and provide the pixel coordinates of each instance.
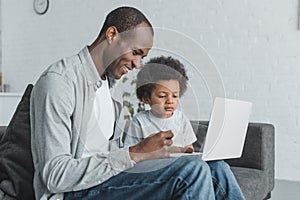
(155, 146)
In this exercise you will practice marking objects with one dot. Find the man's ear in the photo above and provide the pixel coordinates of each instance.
(111, 34)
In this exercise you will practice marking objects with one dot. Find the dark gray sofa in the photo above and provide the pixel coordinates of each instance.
(254, 171)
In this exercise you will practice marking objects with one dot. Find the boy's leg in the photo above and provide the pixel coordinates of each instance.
(225, 184)
(180, 178)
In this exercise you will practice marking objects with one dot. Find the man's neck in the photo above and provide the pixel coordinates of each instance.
(96, 52)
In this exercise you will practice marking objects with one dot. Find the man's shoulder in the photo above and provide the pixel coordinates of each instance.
(64, 66)
(66, 70)
(61, 75)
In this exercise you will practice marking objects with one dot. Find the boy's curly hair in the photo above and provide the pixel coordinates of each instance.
(158, 69)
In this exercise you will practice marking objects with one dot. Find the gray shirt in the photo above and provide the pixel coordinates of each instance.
(145, 124)
(60, 107)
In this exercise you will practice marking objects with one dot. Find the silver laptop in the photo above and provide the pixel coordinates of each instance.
(227, 130)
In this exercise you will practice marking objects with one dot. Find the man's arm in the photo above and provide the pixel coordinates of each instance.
(153, 147)
(52, 107)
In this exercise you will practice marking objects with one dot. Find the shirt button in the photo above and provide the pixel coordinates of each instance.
(99, 84)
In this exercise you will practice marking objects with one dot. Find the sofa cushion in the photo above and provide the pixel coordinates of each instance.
(16, 166)
(253, 182)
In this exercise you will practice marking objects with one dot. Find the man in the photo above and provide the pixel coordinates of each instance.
(73, 128)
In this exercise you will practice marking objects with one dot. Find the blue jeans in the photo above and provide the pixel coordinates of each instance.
(172, 178)
(225, 184)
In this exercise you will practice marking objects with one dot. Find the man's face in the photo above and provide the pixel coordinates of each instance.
(164, 98)
(127, 52)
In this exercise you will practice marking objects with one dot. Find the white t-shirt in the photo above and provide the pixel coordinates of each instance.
(145, 124)
(101, 123)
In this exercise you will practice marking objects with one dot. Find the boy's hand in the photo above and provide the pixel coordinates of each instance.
(155, 146)
(189, 149)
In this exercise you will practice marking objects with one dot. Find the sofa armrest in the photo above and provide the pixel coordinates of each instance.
(259, 148)
(258, 152)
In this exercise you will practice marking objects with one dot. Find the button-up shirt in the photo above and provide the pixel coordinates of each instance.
(60, 107)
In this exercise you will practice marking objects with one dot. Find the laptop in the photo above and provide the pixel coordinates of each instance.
(226, 131)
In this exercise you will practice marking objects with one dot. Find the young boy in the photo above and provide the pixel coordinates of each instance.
(160, 84)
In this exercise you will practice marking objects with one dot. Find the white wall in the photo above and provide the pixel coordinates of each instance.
(254, 45)
(0, 35)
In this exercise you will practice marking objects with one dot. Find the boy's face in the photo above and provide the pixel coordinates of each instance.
(164, 98)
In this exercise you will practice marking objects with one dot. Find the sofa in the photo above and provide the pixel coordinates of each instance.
(254, 171)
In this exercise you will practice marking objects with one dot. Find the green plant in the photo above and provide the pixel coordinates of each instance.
(128, 95)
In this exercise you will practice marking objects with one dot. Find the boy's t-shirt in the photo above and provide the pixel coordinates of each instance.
(145, 124)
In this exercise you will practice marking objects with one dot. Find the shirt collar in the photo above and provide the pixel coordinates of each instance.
(89, 68)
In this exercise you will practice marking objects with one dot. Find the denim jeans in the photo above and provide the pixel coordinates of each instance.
(173, 178)
(225, 184)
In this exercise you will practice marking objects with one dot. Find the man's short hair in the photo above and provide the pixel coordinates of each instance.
(124, 19)
(160, 69)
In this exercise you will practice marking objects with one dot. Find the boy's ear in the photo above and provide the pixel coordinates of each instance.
(111, 34)
(145, 100)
